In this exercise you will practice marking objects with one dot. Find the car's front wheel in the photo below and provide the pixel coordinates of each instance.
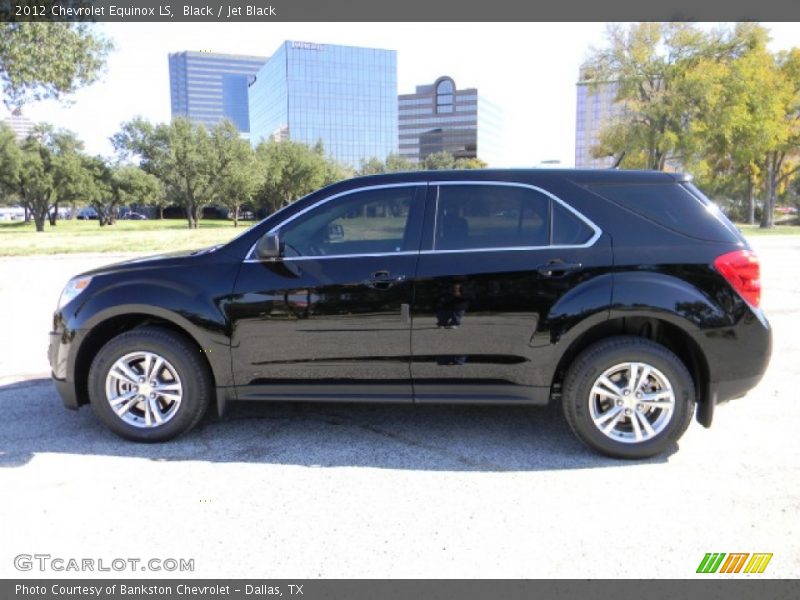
(149, 385)
(628, 397)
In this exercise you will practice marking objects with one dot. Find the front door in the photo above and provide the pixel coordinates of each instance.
(330, 319)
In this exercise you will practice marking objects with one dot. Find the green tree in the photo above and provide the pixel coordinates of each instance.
(237, 175)
(180, 154)
(10, 164)
(122, 185)
(35, 185)
(470, 163)
(744, 123)
(40, 60)
(71, 180)
(396, 163)
(667, 76)
(782, 161)
(291, 170)
(371, 166)
(438, 161)
(97, 189)
(42, 170)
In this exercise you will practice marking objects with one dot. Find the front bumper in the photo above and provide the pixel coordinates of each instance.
(66, 390)
(61, 373)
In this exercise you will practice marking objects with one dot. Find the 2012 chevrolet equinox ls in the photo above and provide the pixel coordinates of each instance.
(626, 296)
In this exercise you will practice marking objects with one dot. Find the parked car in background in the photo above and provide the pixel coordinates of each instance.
(624, 296)
(12, 213)
(134, 216)
(87, 212)
(786, 210)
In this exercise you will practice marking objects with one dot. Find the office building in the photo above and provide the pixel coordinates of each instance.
(438, 117)
(596, 108)
(209, 87)
(19, 124)
(343, 96)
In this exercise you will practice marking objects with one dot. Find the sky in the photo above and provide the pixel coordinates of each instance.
(528, 69)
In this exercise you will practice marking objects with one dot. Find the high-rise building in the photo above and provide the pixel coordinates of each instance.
(438, 117)
(19, 124)
(596, 108)
(343, 96)
(209, 87)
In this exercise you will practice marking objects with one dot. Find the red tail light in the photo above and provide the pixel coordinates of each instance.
(743, 271)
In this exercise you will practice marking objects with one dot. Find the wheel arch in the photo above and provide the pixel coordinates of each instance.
(668, 333)
(104, 327)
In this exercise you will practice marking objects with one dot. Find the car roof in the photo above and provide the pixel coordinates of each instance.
(580, 176)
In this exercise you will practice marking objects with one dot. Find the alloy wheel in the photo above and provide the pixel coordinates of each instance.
(631, 402)
(144, 389)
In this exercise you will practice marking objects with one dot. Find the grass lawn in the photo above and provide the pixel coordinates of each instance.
(753, 230)
(69, 237)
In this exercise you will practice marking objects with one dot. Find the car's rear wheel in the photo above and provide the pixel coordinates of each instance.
(628, 397)
(149, 385)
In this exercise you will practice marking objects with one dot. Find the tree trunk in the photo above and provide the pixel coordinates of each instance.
(160, 212)
(751, 201)
(193, 212)
(235, 216)
(73, 211)
(767, 215)
(54, 215)
(27, 214)
(39, 217)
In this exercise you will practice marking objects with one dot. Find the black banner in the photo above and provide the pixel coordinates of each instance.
(483, 589)
(407, 10)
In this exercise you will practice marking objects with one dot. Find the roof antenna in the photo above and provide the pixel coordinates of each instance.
(619, 160)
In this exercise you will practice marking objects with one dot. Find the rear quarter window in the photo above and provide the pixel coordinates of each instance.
(568, 229)
(672, 205)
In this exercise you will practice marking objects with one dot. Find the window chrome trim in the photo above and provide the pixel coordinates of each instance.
(590, 242)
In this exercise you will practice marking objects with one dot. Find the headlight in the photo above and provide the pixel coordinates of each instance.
(73, 288)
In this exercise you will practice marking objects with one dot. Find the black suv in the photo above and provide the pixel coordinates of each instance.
(625, 296)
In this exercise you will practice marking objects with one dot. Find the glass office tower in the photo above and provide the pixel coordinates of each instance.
(596, 107)
(209, 87)
(343, 96)
(438, 117)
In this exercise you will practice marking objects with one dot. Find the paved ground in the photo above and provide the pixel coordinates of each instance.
(366, 491)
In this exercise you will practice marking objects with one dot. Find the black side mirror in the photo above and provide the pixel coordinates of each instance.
(268, 247)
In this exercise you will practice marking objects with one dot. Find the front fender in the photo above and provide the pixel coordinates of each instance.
(196, 310)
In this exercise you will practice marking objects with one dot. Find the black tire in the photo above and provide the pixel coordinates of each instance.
(182, 355)
(603, 355)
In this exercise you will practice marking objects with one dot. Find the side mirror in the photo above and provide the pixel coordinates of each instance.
(268, 247)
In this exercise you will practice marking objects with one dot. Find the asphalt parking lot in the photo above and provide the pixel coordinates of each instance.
(283, 491)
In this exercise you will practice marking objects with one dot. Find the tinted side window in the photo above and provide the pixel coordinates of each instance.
(366, 222)
(471, 217)
(672, 206)
(568, 229)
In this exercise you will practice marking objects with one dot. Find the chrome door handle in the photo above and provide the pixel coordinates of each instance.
(383, 280)
(557, 267)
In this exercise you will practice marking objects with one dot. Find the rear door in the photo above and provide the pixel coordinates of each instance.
(496, 259)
